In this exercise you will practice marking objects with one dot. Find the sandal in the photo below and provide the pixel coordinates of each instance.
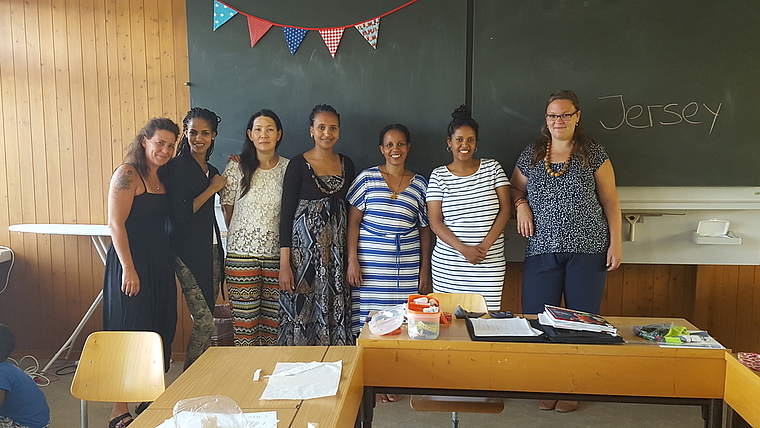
(118, 422)
(142, 406)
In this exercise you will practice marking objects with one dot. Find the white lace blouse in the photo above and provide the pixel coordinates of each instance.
(254, 228)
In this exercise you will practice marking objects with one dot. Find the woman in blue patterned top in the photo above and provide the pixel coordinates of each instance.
(468, 205)
(388, 233)
(563, 190)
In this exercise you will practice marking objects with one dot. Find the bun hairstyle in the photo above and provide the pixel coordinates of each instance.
(581, 141)
(202, 113)
(396, 127)
(321, 108)
(249, 160)
(461, 117)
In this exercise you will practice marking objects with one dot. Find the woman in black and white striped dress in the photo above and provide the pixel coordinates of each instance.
(468, 206)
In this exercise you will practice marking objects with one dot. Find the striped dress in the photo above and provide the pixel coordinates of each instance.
(389, 240)
(470, 206)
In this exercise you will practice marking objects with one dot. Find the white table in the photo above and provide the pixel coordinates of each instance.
(97, 232)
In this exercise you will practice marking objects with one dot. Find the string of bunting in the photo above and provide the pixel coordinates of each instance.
(257, 27)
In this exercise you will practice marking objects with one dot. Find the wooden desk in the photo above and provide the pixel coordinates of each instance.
(152, 418)
(229, 371)
(742, 393)
(638, 371)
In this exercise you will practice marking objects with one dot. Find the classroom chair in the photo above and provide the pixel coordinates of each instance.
(470, 302)
(119, 366)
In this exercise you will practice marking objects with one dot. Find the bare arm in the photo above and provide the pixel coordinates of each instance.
(354, 272)
(500, 222)
(286, 273)
(426, 245)
(121, 194)
(608, 198)
(473, 254)
(523, 212)
(227, 211)
(216, 184)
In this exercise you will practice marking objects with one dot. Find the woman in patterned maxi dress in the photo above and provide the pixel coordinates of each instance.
(315, 298)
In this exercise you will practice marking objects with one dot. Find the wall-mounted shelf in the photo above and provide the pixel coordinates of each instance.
(641, 199)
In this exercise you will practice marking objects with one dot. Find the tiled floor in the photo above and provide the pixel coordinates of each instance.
(517, 413)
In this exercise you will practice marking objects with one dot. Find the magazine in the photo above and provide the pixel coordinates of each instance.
(575, 320)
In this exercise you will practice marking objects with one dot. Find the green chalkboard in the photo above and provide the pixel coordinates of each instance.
(415, 76)
(669, 87)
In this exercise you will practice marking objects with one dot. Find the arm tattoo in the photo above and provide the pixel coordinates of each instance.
(124, 180)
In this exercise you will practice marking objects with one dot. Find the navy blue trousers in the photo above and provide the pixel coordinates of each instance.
(579, 277)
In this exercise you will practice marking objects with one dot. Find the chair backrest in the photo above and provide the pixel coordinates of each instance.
(471, 302)
(120, 366)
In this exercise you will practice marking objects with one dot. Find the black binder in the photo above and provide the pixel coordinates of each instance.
(550, 335)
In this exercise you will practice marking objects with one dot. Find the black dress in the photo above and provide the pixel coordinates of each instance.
(154, 308)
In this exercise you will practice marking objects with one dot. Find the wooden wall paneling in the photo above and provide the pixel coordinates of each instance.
(176, 50)
(512, 289)
(660, 290)
(630, 290)
(612, 302)
(124, 67)
(645, 301)
(746, 338)
(154, 94)
(688, 283)
(754, 325)
(728, 290)
(139, 63)
(116, 141)
(702, 297)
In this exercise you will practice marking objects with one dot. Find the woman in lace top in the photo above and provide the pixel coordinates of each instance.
(251, 203)
(315, 302)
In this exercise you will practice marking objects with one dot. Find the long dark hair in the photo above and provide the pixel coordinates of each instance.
(461, 117)
(249, 160)
(202, 113)
(136, 152)
(581, 141)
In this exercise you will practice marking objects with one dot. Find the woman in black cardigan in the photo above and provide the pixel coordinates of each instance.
(191, 183)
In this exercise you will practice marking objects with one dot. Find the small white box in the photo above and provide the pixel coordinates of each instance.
(714, 227)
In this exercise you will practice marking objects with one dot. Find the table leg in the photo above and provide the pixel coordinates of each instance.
(368, 406)
(712, 413)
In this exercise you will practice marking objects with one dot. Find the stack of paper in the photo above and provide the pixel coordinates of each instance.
(575, 320)
(488, 327)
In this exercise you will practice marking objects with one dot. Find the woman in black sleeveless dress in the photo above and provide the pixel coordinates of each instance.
(139, 292)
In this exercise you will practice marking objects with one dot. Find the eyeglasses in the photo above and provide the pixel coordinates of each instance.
(565, 117)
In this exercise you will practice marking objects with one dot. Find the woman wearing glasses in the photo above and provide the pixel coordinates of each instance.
(563, 190)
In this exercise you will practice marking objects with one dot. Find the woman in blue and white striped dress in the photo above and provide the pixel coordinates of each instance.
(388, 235)
(468, 205)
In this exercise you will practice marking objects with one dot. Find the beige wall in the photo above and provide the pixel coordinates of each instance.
(77, 80)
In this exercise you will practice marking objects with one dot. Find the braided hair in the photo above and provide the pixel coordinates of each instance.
(202, 113)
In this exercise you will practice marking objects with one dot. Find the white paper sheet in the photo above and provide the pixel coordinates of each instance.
(301, 381)
(487, 327)
(254, 420)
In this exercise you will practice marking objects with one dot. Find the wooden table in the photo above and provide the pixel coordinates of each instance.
(638, 371)
(229, 371)
(742, 393)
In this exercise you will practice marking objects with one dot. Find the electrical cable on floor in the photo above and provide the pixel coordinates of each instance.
(8, 276)
(40, 379)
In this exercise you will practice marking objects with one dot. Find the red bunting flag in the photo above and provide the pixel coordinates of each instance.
(257, 28)
(369, 30)
(332, 37)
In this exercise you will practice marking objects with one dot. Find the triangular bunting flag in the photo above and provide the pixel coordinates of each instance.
(294, 37)
(369, 31)
(222, 14)
(257, 28)
(332, 37)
